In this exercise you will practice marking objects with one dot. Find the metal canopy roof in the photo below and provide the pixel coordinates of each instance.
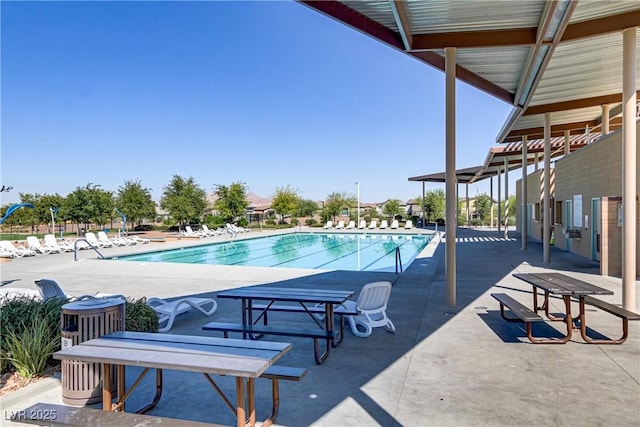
(513, 154)
(562, 57)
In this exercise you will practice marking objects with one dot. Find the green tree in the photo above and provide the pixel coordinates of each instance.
(392, 208)
(482, 206)
(77, 208)
(306, 207)
(335, 203)
(102, 205)
(434, 203)
(285, 201)
(183, 199)
(30, 217)
(135, 202)
(231, 202)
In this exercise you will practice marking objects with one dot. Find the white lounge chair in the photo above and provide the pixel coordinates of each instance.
(362, 225)
(35, 245)
(138, 239)
(15, 251)
(51, 289)
(210, 232)
(372, 304)
(115, 241)
(373, 224)
(394, 224)
(168, 310)
(408, 225)
(351, 225)
(384, 224)
(189, 232)
(50, 241)
(93, 240)
(329, 224)
(340, 225)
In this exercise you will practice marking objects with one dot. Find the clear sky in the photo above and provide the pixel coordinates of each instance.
(266, 93)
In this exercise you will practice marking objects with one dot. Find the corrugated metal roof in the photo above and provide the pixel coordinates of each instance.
(499, 44)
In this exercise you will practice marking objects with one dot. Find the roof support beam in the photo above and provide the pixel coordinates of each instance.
(614, 98)
(475, 39)
(402, 21)
(606, 25)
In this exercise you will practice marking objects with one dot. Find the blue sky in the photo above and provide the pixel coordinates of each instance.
(267, 93)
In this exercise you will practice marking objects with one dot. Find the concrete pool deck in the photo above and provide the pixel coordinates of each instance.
(444, 366)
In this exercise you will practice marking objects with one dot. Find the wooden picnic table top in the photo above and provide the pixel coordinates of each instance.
(560, 284)
(304, 295)
(220, 356)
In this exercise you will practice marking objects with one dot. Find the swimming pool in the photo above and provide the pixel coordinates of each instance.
(354, 252)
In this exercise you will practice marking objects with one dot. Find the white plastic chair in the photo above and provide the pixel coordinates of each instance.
(362, 225)
(329, 224)
(408, 225)
(372, 304)
(383, 224)
(394, 224)
(168, 310)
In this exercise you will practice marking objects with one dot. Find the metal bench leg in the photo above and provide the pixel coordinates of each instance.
(275, 403)
(583, 329)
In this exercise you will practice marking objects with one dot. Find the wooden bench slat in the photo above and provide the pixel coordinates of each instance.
(269, 330)
(289, 373)
(48, 414)
(192, 339)
(611, 308)
(517, 308)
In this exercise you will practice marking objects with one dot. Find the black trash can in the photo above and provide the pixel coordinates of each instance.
(81, 321)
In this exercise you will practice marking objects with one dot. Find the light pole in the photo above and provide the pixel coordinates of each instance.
(358, 188)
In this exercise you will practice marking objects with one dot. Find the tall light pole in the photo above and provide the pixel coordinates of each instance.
(358, 188)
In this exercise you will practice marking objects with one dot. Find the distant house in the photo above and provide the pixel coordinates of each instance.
(380, 206)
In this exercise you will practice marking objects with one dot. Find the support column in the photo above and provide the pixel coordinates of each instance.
(546, 208)
(567, 142)
(424, 208)
(605, 119)
(629, 165)
(506, 198)
(536, 161)
(451, 179)
(466, 189)
(499, 202)
(523, 209)
(491, 203)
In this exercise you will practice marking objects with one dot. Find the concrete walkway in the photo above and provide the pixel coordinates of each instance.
(444, 366)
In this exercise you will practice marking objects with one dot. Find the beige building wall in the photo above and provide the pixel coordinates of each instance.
(593, 172)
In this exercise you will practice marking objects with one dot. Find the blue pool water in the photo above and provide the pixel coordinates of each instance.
(354, 252)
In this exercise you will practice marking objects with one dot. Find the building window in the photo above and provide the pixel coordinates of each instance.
(536, 212)
(557, 218)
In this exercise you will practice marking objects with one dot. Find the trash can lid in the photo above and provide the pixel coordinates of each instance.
(93, 303)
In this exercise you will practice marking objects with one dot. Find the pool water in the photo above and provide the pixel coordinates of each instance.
(354, 252)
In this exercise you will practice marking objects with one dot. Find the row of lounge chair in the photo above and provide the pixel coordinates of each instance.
(372, 225)
(51, 245)
(229, 230)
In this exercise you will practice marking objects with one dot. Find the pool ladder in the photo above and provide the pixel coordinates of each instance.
(75, 248)
(398, 260)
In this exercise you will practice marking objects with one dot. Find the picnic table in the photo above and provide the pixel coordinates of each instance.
(244, 360)
(303, 300)
(565, 287)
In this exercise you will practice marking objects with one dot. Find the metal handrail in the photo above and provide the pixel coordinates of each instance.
(75, 248)
(398, 260)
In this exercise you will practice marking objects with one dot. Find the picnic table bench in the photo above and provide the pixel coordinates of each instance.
(305, 300)
(566, 287)
(244, 360)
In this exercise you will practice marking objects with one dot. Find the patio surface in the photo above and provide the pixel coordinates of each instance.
(444, 366)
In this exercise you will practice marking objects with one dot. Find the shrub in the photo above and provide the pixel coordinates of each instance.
(310, 222)
(30, 331)
(139, 317)
(19, 314)
(30, 349)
